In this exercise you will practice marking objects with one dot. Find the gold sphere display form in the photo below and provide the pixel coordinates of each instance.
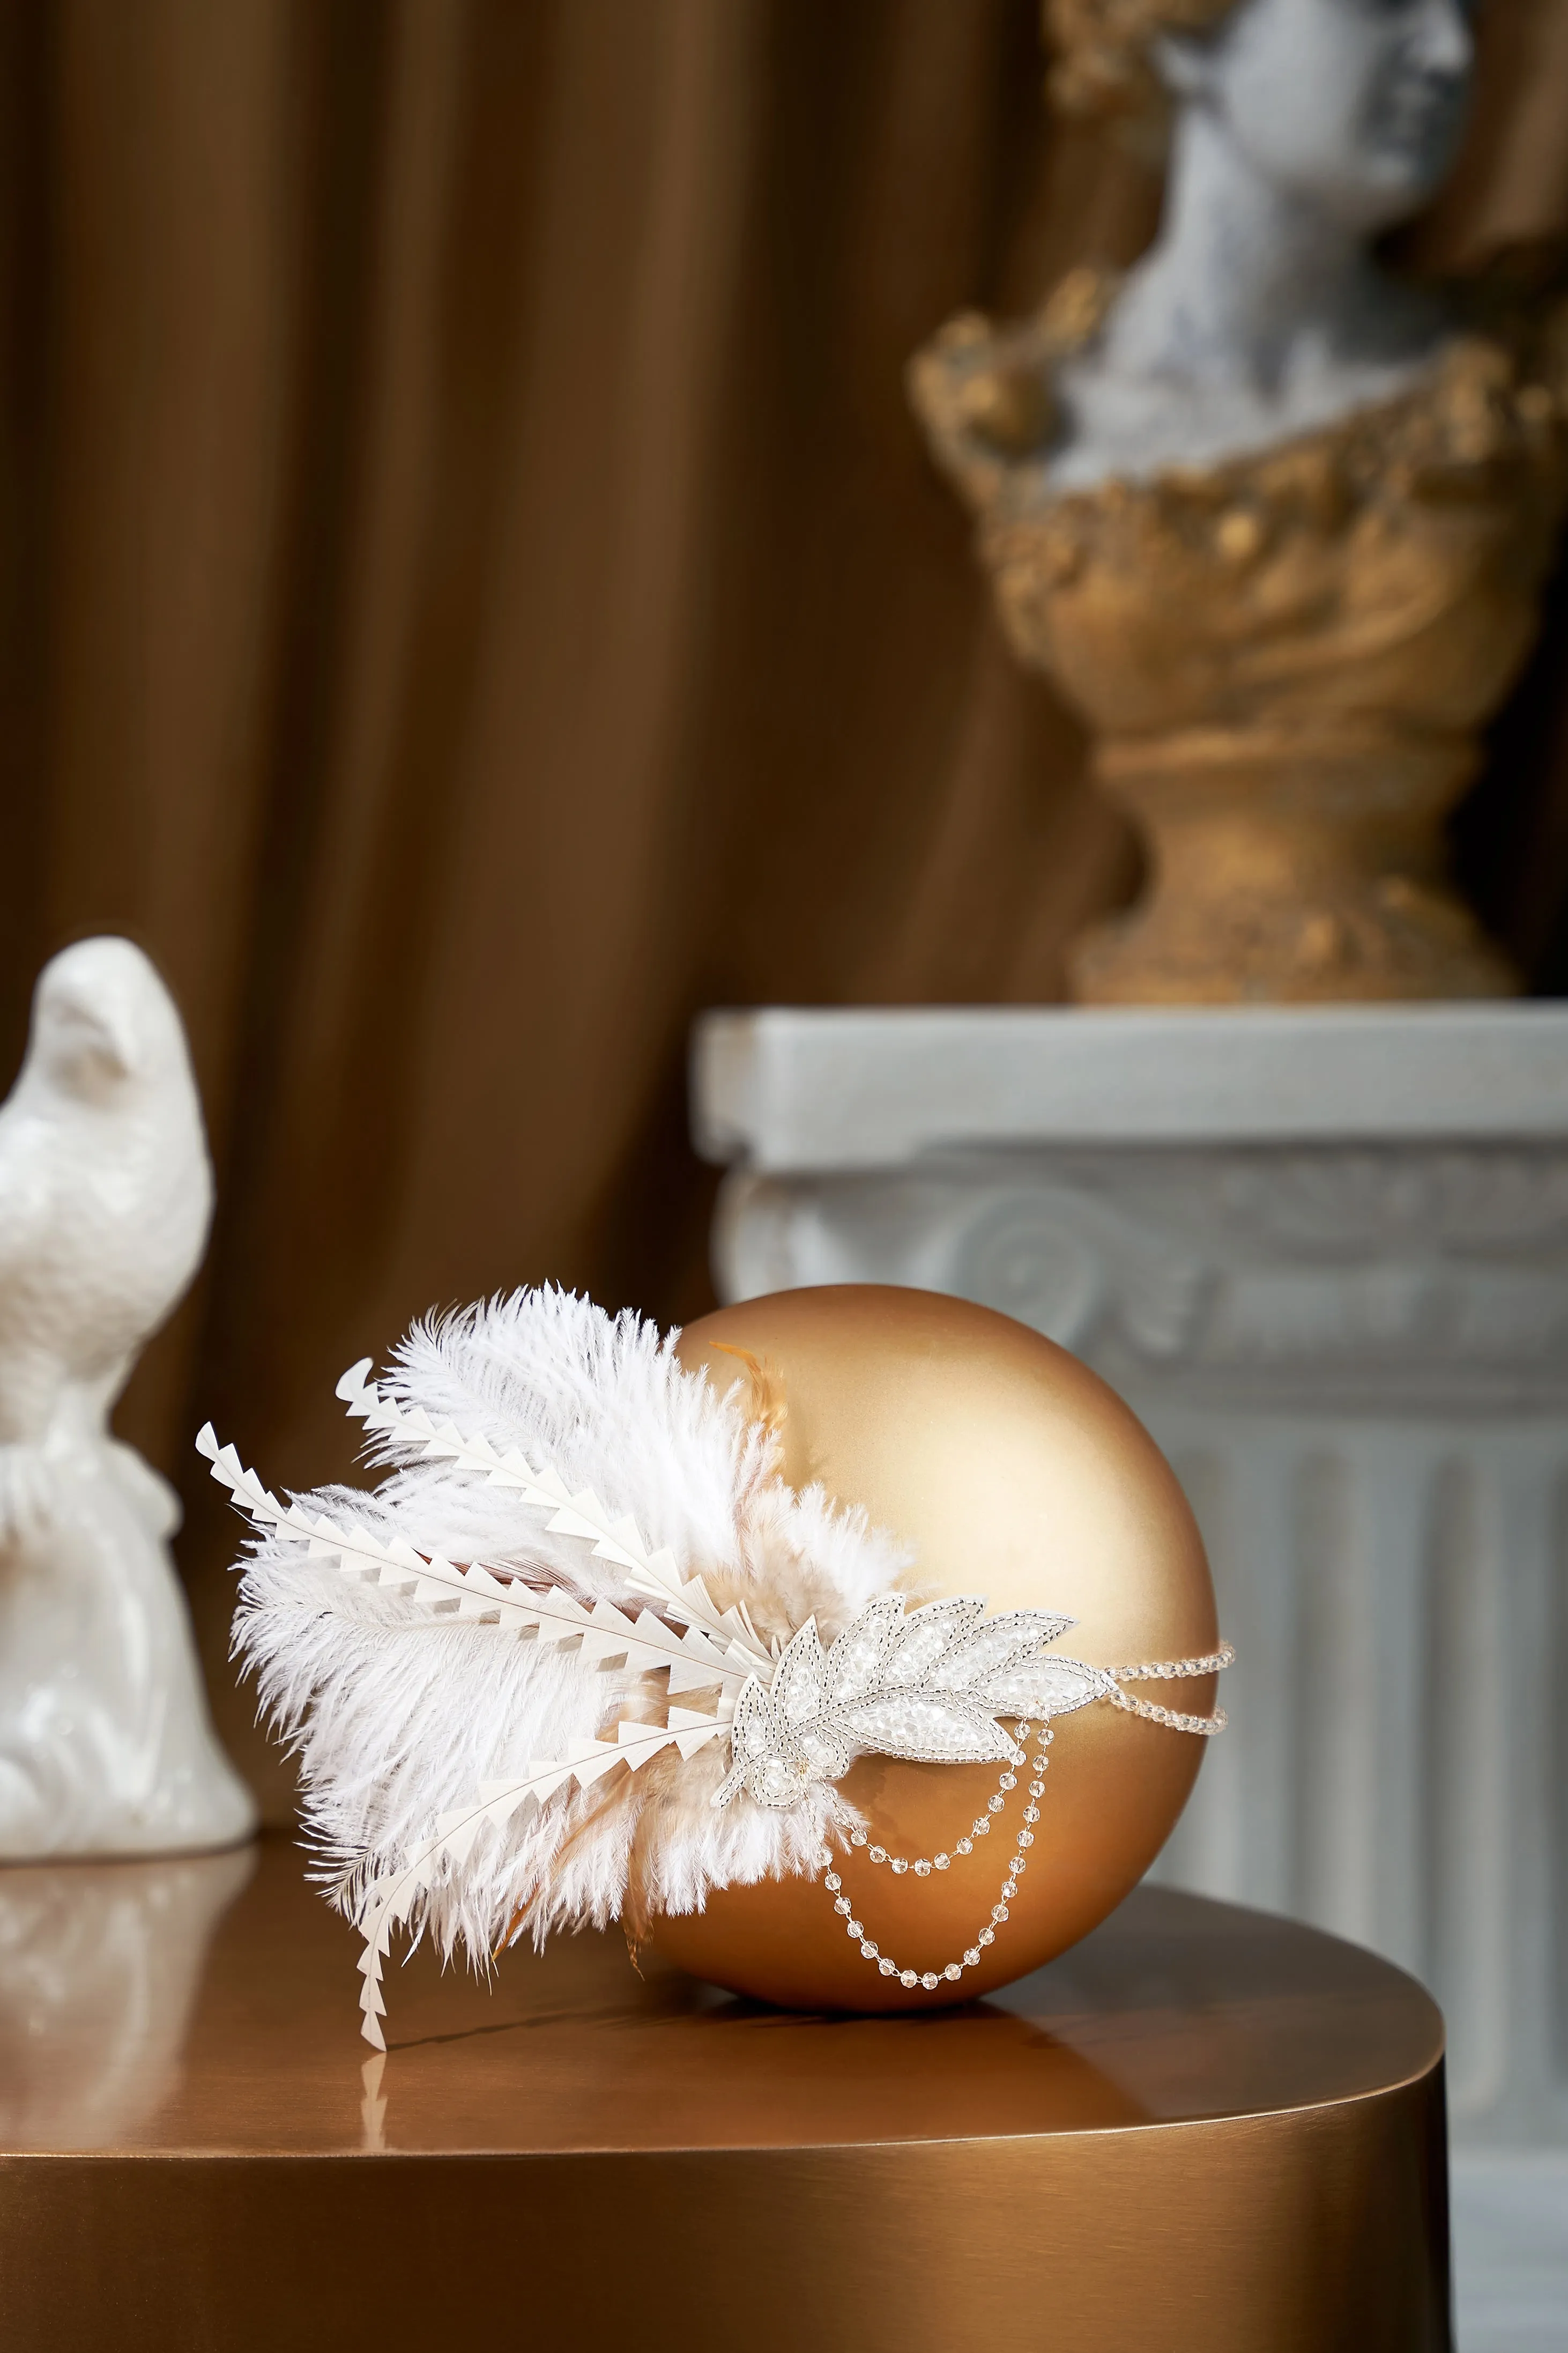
(1009, 1469)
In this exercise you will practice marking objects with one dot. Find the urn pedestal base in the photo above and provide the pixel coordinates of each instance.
(1286, 866)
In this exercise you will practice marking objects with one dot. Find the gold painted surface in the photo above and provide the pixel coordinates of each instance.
(1011, 1470)
(1104, 59)
(99, 1965)
(1205, 2127)
(1285, 658)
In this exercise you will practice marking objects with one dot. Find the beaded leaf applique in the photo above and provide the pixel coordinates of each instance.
(925, 1684)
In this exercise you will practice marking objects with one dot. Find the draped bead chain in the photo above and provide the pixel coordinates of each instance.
(923, 1865)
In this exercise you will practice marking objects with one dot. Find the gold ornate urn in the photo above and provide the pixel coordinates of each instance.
(1285, 658)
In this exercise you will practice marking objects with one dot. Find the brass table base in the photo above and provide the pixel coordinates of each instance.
(1203, 2128)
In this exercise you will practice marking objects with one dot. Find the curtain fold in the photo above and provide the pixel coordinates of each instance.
(474, 594)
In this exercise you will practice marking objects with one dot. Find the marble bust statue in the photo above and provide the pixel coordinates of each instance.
(1274, 522)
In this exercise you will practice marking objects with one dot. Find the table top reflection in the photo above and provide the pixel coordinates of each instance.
(206, 2007)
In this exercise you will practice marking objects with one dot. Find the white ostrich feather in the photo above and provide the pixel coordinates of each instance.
(527, 1677)
(461, 1659)
(581, 1515)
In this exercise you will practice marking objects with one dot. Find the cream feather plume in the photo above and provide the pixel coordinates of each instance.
(574, 1530)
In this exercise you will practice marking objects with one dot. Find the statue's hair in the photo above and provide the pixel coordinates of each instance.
(1103, 53)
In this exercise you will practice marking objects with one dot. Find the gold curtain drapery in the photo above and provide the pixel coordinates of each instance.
(474, 596)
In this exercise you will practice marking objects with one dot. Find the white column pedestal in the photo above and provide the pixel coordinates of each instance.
(1324, 1254)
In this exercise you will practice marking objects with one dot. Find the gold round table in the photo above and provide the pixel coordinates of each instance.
(1203, 2128)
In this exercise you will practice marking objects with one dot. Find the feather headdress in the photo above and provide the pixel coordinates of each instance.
(583, 1653)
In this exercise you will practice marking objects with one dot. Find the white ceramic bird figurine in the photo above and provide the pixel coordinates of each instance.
(105, 1196)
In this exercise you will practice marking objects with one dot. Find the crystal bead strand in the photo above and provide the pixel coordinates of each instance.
(923, 1865)
(953, 1971)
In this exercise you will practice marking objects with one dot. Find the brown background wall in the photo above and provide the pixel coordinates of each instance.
(472, 595)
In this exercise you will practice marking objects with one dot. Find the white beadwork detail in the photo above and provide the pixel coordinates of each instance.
(927, 1684)
(920, 1866)
(952, 1972)
(939, 1661)
(1176, 1670)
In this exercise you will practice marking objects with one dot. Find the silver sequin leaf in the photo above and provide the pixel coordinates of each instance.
(855, 1662)
(997, 1643)
(1046, 1687)
(928, 1727)
(765, 1752)
(931, 1637)
(799, 1686)
(925, 1684)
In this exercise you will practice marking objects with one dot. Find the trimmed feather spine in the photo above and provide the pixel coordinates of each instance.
(655, 1573)
(693, 1657)
(388, 1902)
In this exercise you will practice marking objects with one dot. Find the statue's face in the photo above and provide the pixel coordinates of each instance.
(1354, 105)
